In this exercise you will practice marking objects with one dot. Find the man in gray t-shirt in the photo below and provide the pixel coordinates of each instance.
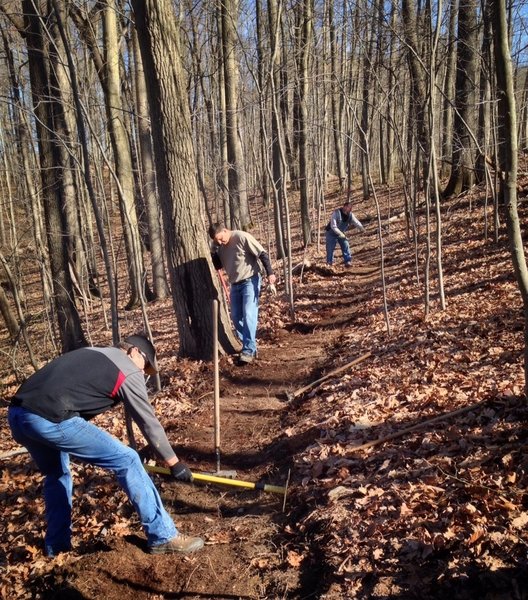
(241, 256)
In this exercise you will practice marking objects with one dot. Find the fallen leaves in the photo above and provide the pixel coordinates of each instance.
(521, 521)
(294, 559)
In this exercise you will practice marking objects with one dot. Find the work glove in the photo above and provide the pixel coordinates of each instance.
(181, 472)
(342, 236)
(272, 289)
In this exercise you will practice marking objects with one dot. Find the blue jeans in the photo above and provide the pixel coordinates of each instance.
(50, 444)
(331, 239)
(244, 312)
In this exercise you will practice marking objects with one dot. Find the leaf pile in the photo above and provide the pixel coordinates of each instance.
(442, 509)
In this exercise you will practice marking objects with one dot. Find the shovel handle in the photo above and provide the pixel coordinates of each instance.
(274, 489)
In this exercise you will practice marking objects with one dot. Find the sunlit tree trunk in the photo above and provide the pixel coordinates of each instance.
(278, 175)
(236, 174)
(221, 175)
(304, 50)
(484, 107)
(122, 155)
(148, 179)
(507, 139)
(24, 145)
(193, 282)
(448, 91)
(413, 35)
(263, 153)
(70, 331)
(335, 94)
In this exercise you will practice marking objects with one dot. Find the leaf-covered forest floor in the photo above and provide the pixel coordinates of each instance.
(437, 511)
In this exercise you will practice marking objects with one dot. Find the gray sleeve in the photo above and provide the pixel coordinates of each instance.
(253, 245)
(356, 222)
(135, 399)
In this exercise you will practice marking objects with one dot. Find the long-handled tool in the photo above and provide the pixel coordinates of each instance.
(216, 419)
(265, 487)
(224, 286)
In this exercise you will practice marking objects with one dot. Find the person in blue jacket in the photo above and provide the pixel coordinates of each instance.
(341, 219)
(50, 415)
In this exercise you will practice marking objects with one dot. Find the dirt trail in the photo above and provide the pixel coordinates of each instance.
(445, 507)
(244, 530)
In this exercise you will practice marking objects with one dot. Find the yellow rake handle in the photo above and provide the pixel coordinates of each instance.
(274, 489)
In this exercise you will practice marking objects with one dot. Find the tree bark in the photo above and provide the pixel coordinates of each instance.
(448, 91)
(45, 106)
(193, 282)
(236, 173)
(7, 314)
(419, 86)
(507, 139)
(335, 94)
(303, 49)
(463, 157)
(148, 179)
(277, 167)
(122, 155)
(24, 144)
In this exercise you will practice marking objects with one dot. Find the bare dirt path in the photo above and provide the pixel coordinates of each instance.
(244, 530)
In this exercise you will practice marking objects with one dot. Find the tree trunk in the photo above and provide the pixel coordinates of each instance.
(148, 179)
(236, 174)
(263, 155)
(277, 167)
(70, 331)
(80, 117)
(463, 157)
(303, 49)
(419, 88)
(221, 176)
(66, 149)
(7, 314)
(122, 155)
(448, 91)
(24, 144)
(507, 140)
(484, 110)
(193, 282)
(335, 94)
(364, 133)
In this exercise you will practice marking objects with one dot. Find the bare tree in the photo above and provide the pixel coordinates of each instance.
(335, 94)
(122, 154)
(47, 108)
(448, 91)
(303, 55)
(148, 178)
(507, 138)
(236, 174)
(193, 283)
(463, 157)
(411, 28)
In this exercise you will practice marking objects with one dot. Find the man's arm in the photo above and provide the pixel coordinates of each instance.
(137, 403)
(356, 222)
(217, 262)
(265, 260)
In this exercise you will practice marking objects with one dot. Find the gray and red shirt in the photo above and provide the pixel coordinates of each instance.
(90, 381)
